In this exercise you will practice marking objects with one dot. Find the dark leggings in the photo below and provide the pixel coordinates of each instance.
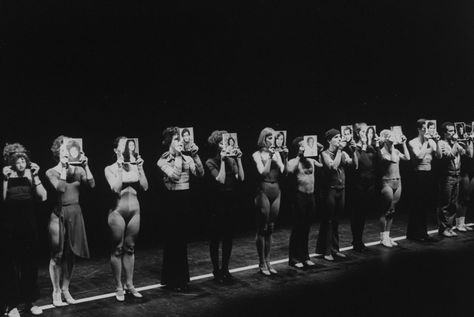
(328, 238)
(222, 228)
(303, 209)
(175, 272)
(466, 189)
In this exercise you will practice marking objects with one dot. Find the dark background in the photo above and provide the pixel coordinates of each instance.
(100, 69)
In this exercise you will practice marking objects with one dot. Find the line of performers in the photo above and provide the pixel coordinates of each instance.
(377, 186)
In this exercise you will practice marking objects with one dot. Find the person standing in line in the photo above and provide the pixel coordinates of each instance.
(449, 152)
(391, 187)
(335, 160)
(364, 185)
(423, 147)
(226, 172)
(126, 180)
(466, 186)
(269, 166)
(303, 169)
(66, 227)
(21, 187)
(177, 169)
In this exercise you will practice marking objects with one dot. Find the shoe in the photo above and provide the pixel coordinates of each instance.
(264, 270)
(226, 276)
(132, 291)
(446, 233)
(35, 310)
(298, 265)
(218, 276)
(271, 269)
(460, 228)
(57, 300)
(309, 263)
(68, 297)
(386, 243)
(468, 228)
(393, 242)
(360, 248)
(340, 255)
(454, 234)
(14, 313)
(318, 255)
(329, 257)
(120, 294)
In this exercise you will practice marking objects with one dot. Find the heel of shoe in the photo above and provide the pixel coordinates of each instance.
(57, 300)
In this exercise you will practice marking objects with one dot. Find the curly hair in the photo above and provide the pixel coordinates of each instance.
(263, 136)
(216, 137)
(57, 146)
(12, 152)
(168, 135)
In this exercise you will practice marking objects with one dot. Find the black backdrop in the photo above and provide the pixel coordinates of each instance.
(97, 70)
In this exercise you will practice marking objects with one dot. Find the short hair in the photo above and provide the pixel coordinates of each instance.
(168, 135)
(216, 137)
(57, 146)
(430, 123)
(73, 143)
(385, 133)
(420, 123)
(230, 138)
(263, 135)
(12, 152)
(445, 125)
(184, 131)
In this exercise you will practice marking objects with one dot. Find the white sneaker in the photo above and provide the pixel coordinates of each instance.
(454, 234)
(460, 228)
(393, 242)
(14, 313)
(468, 228)
(57, 300)
(386, 243)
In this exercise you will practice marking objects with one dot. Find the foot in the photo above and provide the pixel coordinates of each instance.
(460, 228)
(14, 313)
(298, 265)
(393, 242)
(329, 257)
(264, 270)
(467, 228)
(218, 276)
(35, 310)
(454, 234)
(360, 248)
(386, 243)
(446, 233)
(132, 291)
(227, 277)
(340, 255)
(120, 295)
(68, 297)
(309, 263)
(271, 269)
(57, 300)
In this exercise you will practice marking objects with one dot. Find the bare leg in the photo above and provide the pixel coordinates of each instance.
(117, 229)
(131, 234)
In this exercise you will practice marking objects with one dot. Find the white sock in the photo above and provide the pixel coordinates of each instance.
(458, 222)
(462, 221)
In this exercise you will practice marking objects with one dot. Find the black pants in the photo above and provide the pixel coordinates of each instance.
(302, 211)
(175, 271)
(423, 199)
(365, 199)
(222, 223)
(328, 238)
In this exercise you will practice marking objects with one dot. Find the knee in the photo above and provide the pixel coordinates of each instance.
(262, 229)
(271, 228)
(118, 251)
(129, 248)
(389, 214)
(56, 259)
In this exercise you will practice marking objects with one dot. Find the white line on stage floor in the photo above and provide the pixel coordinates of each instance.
(204, 276)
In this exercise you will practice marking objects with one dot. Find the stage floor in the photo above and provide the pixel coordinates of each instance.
(413, 279)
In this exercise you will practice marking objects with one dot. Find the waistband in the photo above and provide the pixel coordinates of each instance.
(391, 179)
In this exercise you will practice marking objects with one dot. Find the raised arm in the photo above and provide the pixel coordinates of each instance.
(88, 177)
(292, 164)
(419, 151)
(329, 162)
(114, 178)
(171, 169)
(39, 188)
(141, 174)
(217, 172)
(239, 164)
(406, 154)
(58, 180)
(261, 168)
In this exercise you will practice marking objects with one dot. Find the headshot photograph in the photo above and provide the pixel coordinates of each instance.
(431, 127)
(131, 150)
(397, 133)
(280, 139)
(74, 149)
(347, 133)
(460, 129)
(230, 142)
(310, 145)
